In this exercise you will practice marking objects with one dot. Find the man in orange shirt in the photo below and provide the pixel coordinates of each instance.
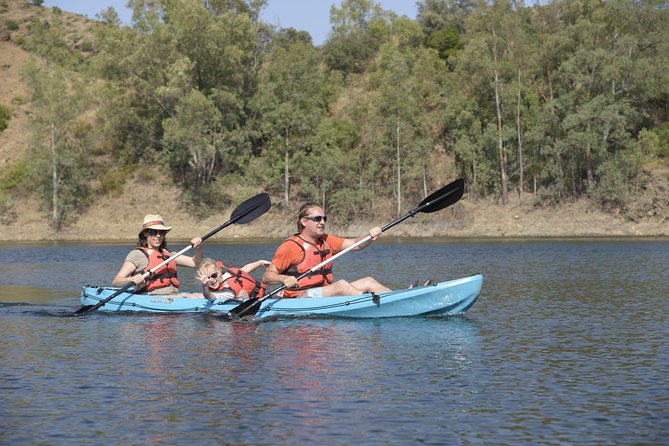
(310, 247)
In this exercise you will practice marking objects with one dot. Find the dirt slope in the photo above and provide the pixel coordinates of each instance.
(119, 218)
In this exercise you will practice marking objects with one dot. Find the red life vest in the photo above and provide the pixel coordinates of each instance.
(312, 255)
(165, 276)
(240, 280)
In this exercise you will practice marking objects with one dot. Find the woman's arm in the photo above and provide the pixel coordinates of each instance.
(124, 276)
(194, 261)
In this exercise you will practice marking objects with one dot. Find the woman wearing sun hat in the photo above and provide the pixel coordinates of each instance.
(149, 253)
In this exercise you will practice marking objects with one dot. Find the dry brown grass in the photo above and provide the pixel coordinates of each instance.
(118, 217)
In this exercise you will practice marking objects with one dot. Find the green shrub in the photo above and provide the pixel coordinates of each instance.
(5, 115)
(112, 182)
(663, 143)
(86, 46)
(11, 25)
(145, 176)
(7, 214)
(13, 177)
(654, 143)
(19, 100)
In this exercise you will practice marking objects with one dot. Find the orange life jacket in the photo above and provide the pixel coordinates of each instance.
(240, 280)
(312, 256)
(165, 276)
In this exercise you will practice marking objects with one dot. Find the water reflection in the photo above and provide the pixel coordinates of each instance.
(35, 295)
(317, 373)
(567, 344)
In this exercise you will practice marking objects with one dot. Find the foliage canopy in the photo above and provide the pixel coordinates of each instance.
(560, 100)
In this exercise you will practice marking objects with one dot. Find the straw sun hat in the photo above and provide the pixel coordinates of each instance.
(154, 221)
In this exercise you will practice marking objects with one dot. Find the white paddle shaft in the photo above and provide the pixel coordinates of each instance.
(165, 262)
(341, 253)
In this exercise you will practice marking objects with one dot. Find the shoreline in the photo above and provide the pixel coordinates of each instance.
(112, 221)
(384, 240)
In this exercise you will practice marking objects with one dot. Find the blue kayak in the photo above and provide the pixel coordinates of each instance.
(444, 298)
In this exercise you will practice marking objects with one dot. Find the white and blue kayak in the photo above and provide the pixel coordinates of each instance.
(444, 298)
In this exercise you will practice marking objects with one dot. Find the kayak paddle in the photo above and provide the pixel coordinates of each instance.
(244, 213)
(444, 197)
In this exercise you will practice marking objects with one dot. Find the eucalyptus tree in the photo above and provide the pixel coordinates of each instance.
(486, 61)
(220, 38)
(523, 54)
(179, 59)
(352, 43)
(47, 38)
(550, 46)
(406, 86)
(582, 77)
(435, 15)
(57, 158)
(355, 128)
(333, 168)
(434, 157)
(650, 95)
(194, 141)
(598, 85)
(220, 47)
(443, 23)
(651, 64)
(137, 63)
(289, 103)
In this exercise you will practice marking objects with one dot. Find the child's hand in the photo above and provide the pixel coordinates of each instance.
(204, 278)
(264, 263)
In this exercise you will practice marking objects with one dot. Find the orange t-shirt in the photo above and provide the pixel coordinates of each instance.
(289, 254)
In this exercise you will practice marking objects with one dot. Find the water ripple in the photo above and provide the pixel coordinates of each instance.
(567, 345)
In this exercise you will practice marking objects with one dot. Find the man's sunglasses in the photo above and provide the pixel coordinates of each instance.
(318, 218)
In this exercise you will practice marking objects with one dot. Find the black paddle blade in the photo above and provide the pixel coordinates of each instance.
(444, 197)
(90, 308)
(83, 310)
(247, 308)
(251, 209)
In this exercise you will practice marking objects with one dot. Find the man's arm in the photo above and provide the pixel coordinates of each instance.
(373, 233)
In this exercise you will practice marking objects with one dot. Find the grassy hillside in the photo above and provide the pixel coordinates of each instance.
(117, 216)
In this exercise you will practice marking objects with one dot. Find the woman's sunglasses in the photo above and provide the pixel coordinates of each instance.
(318, 218)
(155, 232)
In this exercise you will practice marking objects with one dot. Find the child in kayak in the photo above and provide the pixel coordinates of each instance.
(221, 282)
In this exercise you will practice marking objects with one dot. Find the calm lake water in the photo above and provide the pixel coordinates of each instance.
(568, 344)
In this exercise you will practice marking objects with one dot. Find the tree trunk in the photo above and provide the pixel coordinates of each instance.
(286, 177)
(501, 150)
(520, 143)
(500, 142)
(399, 175)
(424, 182)
(54, 180)
(588, 162)
(474, 173)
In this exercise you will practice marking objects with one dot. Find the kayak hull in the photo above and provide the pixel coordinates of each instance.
(444, 298)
